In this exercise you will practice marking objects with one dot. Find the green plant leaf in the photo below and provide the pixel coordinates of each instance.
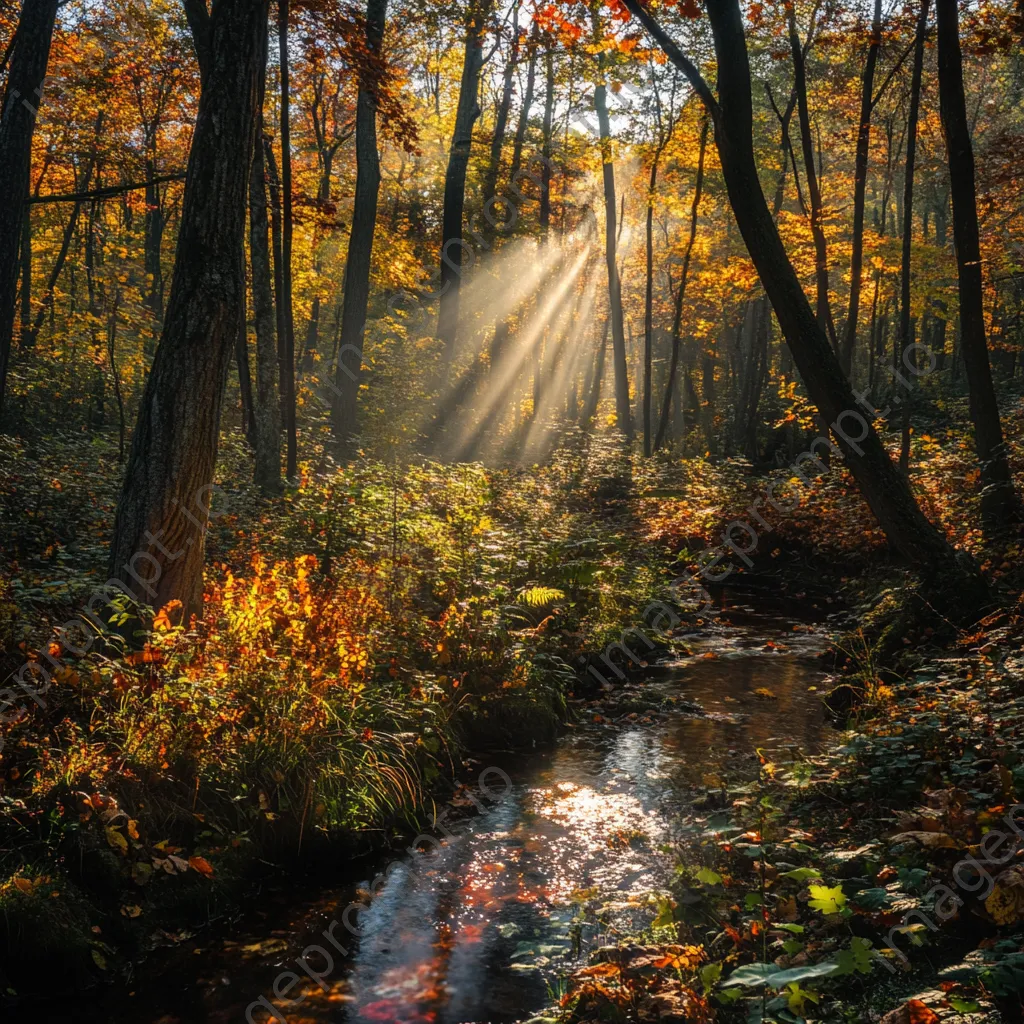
(828, 900)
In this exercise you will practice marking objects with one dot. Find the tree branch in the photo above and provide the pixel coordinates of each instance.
(107, 191)
(674, 54)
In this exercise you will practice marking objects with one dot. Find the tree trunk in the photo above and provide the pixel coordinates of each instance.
(467, 112)
(23, 93)
(360, 242)
(286, 313)
(158, 545)
(154, 235)
(998, 499)
(887, 492)
(677, 319)
(824, 308)
(860, 178)
(501, 116)
(545, 171)
(622, 411)
(26, 336)
(524, 109)
(905, 338)
(245, 373)
(267, 409)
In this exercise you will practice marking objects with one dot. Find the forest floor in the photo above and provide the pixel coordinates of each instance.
(366, 631)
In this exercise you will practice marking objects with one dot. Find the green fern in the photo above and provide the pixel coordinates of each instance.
(540, 597)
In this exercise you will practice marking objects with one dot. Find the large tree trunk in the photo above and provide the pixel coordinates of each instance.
(360, 243)
(159, 531)
(467, 112)
(623, 413)
(24, 90)
(860, 179)
(267, 409)
(887, 492)
(998, 500)
(286, 313)
(905, 335)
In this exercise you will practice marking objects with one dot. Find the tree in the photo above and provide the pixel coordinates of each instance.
(364, 222)
(998, 499)
(267, 406)
(860, 178)
(466, 114)
(886, 490)
(677, 319)
(286, 312)
(799, 51)
(623, 412)
(23, 93)
(164, 504)
(905, 333)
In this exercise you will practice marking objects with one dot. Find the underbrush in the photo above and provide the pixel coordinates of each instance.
(361, 635)
(881, 880)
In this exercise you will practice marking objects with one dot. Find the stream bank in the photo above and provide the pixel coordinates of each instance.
(581, 851)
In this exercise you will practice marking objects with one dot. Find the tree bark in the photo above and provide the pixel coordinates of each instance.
(905, 337)
(545, 171)
(623, 413)
(287, 313)
(886, 490)
(999, 505)
(824, 308)
(860, 178)
(360, 243)
(524, 109)
(24, 90)
(501, 116)
(267, 436)
(467, 112)
(158, 545)
(677, 320)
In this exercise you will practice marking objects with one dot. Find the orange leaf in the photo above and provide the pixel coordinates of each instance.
(202, 865)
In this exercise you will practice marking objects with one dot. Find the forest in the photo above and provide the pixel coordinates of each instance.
(512, 511)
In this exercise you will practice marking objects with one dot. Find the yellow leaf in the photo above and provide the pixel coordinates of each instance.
(116, 841)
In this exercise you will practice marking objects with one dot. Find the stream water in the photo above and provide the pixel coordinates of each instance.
(480, 928)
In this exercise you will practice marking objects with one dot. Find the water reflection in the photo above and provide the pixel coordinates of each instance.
(479, 928)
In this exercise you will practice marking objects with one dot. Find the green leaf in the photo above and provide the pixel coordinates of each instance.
(792, 946)
(964, 1005)
(857, 958)
(827, 900)
(709, 975)
(708, 877)
(752, 900)
(751, 974)
(871, 899)
(795, 929)
(822, 970)
(801, 874)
